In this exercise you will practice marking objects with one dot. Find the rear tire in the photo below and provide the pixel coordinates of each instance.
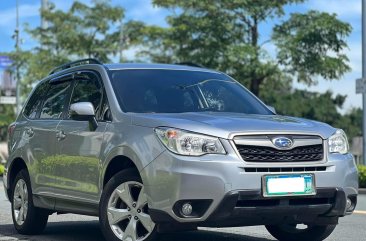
(27, 219)
(124, 213)
(288, 232)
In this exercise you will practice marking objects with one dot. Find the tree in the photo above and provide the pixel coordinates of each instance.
(225, 35)
(83, 31)
(315, 106)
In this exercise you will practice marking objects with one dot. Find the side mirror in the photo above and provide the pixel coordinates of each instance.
(84, 111)
(271, 108)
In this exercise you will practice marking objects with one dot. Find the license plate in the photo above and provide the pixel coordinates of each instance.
(288, 185)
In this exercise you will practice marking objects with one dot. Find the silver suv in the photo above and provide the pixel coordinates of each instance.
(151, 148)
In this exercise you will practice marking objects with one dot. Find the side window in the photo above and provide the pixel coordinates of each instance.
(54, 103)
(35, 101)
(89, 89)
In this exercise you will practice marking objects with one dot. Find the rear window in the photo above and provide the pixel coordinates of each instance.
(34, 103)
(178, 91)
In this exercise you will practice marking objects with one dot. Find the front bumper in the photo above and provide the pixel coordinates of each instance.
(246, 208)
(172, 178)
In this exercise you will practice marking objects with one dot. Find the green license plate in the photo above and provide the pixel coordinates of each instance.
(288, 185)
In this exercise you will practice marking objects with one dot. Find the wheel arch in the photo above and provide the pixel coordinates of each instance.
(15, 167)
(117, 164)
(119, 159)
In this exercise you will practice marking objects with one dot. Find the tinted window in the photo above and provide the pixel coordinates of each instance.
(54, 103)
(35, 101)
(89, 89)
(177, 91)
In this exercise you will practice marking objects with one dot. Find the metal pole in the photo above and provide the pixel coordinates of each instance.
(363, 77)
(17, 48)
(44, 7)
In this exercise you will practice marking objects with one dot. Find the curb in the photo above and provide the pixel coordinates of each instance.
(362, 191)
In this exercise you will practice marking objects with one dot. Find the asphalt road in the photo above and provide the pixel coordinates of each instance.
(76, 227)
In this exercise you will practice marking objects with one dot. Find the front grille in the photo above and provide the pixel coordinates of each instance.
(269, 154)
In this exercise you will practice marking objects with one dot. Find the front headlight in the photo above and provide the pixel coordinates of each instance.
(188, 143)
(338, 143)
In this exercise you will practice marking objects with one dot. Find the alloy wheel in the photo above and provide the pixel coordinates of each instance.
(128, 214)
(20, 202)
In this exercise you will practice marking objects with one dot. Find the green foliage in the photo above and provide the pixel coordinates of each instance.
(83, 30)
(222, 35)
(225, 35)
(7, 116)
(312, 105)
(362, 176)
(312, 44)
(80, 32)
(2, 169)
(351, 123)
(34, 65)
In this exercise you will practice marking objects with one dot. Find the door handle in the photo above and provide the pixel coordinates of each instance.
(60, 135)
(29, 131)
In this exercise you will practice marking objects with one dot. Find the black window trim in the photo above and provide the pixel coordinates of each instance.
(72, 77)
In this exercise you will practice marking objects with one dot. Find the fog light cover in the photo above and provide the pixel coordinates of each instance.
(187, 209)
(194, 208)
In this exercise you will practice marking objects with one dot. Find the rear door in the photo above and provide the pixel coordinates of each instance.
(44, 114)
(79, 145)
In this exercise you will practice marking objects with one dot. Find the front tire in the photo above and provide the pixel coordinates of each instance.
(288, 232)
(27, 219)
(124, 213)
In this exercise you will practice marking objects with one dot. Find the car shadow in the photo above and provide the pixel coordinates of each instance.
(90, 231)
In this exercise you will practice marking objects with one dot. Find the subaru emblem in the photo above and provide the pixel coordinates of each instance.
(282, 142)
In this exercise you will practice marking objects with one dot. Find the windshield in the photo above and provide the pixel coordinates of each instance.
(179, 91)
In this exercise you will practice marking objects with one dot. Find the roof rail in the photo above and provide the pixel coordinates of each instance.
(75, 63)
(190, 64)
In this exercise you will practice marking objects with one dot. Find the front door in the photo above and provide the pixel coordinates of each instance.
(79, 145)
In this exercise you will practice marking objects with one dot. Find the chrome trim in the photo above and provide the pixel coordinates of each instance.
(279, 132)
(266, 141)
(232, 142)
(282, 169)
(66, 197)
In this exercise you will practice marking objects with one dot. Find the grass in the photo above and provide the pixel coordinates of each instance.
(362, 175)
(2, 169)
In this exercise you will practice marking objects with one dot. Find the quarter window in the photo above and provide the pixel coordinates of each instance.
(54, 103)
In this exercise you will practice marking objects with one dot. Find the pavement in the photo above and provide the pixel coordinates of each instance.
(83, 228)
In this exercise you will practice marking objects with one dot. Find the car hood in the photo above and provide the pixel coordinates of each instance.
(227, 125)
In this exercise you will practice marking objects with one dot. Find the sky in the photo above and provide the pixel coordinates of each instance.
(347, 10)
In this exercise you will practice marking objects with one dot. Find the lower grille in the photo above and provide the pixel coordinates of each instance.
(291, 202)
(269, 154)
(285, 169)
